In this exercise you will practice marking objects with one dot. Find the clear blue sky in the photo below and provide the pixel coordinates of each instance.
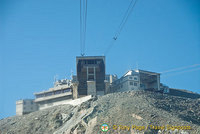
(40, 38)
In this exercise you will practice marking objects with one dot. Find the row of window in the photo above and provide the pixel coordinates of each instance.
(26, 108)
(135, 78)
(53, 93)
(133, 83)
(24, 102)
(91, 61)
(130, 83)
(121, 80)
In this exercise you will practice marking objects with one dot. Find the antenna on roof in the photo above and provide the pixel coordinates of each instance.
(71, 74)
(55, 78)
(137, 65)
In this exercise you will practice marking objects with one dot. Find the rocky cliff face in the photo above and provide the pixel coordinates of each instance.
(128, 112)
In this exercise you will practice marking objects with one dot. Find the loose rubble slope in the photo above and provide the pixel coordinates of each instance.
(133, 108)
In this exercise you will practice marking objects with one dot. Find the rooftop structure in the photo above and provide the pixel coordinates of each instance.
(149, 80)
(25, 106)
(111, 78)
(90, 80)
(60, 92)
(90, 75)
(136, 80)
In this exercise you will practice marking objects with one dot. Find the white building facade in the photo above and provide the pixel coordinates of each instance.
(137, 80)
(66, 91)
(59, 94)
(129, 81)
(25, 106)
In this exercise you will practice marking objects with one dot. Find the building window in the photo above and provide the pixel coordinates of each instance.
(135, 84)
(131, 83)
(91, 70)
(39, 95)
(90, 77)
(135, 78)
(49, 94)
(92, 62)
(58, 92)
(131, 78)
(66, 90)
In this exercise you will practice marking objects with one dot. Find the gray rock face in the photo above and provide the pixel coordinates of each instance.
(126, 113)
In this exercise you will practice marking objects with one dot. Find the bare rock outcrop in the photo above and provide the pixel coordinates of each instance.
(126, 113)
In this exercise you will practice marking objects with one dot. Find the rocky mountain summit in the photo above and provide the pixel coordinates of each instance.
(131, 112)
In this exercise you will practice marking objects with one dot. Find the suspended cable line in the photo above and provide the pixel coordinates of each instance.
(180, 68)
(83, 22)
(125, 18)
(178, 73)
(81, 27)
(122, 24)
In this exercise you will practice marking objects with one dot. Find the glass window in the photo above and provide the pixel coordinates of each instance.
(130, 77)
(91, 77)
(91, 70)
(57, 92)
(39, 95)
(48, 94)
(135, 78)
(135, 84)
(66, 90)
(131, 83)
(92, 62)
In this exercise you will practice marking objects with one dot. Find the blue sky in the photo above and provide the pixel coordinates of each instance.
(41, 38)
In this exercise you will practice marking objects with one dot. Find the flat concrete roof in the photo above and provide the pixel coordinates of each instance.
(53, 96)
(148, 72)
(52, 90)
(140, 71)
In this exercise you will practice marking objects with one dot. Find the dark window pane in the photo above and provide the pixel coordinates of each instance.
(57, 92)
(131, 83)
(66, 90)
(48, 94)
(135, 84)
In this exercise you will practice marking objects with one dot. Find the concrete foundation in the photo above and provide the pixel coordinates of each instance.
(25, 106)
(90, 68)
(107, 87)
(68, 101)
(91, 87)
(75, 90)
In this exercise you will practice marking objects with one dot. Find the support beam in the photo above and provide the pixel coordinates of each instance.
(75, 90)
(158, 81)
(91, 88)
(94, 74)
